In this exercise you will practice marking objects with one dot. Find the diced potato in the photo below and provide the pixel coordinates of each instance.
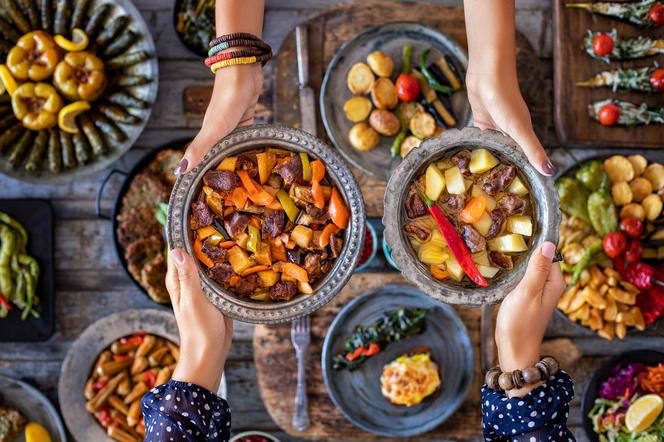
(434, 182)
(512, 242)
(517, 187)
(482, 160)
(437, 238)
(260, 296)
(444, 164)
(239, 259)
(521, 224)
(483, 224)
(242, 239)
(490, 201)
(302, 235)
(266, 162)
(268, 278)
(304, 287)
(455, 270)
(454, 181)
(488, 271)
(432, 254)
(481, 258)
(228, 163)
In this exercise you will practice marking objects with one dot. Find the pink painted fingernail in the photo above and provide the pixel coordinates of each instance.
(177, 256)
(548, 250)
(548, 168)
(182, 167)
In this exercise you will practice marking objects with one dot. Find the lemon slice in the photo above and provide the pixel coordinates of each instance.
(78, 42)
(36, 433)
(643, 412)
(67, 115)
(7, 79)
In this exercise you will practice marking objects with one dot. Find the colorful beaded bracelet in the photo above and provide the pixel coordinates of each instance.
(235, 54)
(236, 61)
(239, 42)
(504, 381)
(234, 36)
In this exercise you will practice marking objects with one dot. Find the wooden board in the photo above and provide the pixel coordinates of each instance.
(571, 64)
(277, 376)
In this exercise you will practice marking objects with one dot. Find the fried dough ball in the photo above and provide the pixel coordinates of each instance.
(621, 193)
(633, 210)
(652, 205)
(641, 188)
(619, 168)
(655, 174)
(639, 164)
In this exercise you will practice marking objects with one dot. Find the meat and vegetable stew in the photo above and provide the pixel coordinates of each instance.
(268, 224)
(469, 215)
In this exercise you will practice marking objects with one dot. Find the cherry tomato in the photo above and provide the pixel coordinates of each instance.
(656, 14)
(614, 244)
(609, 114)
(633, 227)
(657, 79)
(408, 88)
(602, 44)
(633, 251)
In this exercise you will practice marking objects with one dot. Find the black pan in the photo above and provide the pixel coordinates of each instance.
(141, 165)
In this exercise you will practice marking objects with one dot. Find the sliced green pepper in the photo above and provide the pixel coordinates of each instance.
(406, 55)
(306, 166)
(602, 213)
(254, 239)
(431, 79)
(396, 143)
(592, 175)
(586, 260)
(573, 198)
(289, 206)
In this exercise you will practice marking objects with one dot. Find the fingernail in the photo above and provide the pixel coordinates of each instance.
(548, 250)
(548, 168)
(177, 256)
(182, 167)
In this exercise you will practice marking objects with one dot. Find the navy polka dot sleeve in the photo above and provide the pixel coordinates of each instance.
(184, 412)
(541, 415)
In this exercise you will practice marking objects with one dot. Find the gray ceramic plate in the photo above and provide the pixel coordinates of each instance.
(357, 394)
(389, 38)
(33, 405)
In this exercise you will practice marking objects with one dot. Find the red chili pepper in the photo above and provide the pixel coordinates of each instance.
(372, 350)
(408, 88)
(614, 244)
(640, 274)
(6, 303)
(120, 358)
(633, 227)
(633, 251)
(454, 241)
(150, 378)
(355, 354)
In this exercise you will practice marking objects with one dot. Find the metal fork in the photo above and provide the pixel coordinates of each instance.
(301, 337)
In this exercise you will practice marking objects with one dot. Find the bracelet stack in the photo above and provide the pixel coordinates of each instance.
(504, 381)
(254, 50)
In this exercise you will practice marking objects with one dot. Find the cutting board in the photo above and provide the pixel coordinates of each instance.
(571, 64)
(275, 363)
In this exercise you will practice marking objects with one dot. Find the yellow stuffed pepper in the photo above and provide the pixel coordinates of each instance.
(34, 57)
(36, 105)
(80, 76)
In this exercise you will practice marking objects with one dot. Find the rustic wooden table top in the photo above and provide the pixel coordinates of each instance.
(90, 282)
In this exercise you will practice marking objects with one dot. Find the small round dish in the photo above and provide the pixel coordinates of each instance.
(253, 433)
(358, 394)
(546, 214)
(202, 49)
(374, 248)
(243, 139)
(388, 254)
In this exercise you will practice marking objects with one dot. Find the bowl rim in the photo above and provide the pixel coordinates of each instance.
(547, 208)
(271, 135)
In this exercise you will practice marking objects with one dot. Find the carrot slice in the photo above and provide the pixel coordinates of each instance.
(474, 209)
(328, 230)
(239, 197)
(339, 213)
(295, 271)
(200, 255)
(227, 244)
(317, 170)
(254, 269)
(317, 193)
(438, 273)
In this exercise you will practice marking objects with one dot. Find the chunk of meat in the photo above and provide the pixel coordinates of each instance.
(283, 291)
(510, 204)
(415, 206)
(417, 230)
(201, 215)
(462, 160)
(318, 216)
(454, 204)
(237, 224)
(273, 222)
(312, 265)
(336, 244)
(302, 195)
(248, 163)
(501, 260)
(274, 181)
(221, 180)
(293, 255)
(214, 252)
(326, 266)
(473, 239)
(497, 179)
(221, 273)
(497, 222)
(289, 169)
(247, 285)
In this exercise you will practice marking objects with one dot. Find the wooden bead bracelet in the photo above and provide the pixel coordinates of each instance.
(235, 36)
(236, 61)
(234, 54)
(505, 381)
(258, 44)
(254, 50)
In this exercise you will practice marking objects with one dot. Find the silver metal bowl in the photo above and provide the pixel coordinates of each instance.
(189, 185)
(546, 213)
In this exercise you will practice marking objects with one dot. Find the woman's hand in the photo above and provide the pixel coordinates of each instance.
(234, 97)
(526, 311)
(205, 334)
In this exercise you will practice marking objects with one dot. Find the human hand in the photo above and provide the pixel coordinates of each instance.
(526, 311)
(234, 97)
(205, 333)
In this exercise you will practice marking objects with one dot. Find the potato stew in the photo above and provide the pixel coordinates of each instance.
(121, 375)
(486, 205)
(268, 224)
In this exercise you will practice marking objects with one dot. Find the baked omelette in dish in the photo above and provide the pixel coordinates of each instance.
(410, 378)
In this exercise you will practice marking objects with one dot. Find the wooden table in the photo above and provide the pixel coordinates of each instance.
(89, 280)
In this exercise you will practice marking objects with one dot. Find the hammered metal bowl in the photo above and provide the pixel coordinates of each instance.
(247, 138)
(546, 214)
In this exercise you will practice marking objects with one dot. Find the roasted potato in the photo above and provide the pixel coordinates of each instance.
(380, 63)
(655, 174)
(619, 168)
(641, 188)
(384, 94)
(422, 125)
(360, 79)
(363, 137)
(652, 206)
(408, 110)
(639, 164)
(409, 143)
(385, 122)
(357, 109)
(621, 193)
(633, 210)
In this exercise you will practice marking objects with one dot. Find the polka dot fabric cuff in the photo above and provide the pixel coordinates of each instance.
(540, 415)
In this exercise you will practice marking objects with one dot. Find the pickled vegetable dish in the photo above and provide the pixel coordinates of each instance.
(268, 224)
(121, 375)
(469, 217)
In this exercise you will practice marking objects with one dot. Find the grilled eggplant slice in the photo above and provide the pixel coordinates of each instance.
(129, 59)
(67, 144)
(638, 79)
(117, 113)
(62, 20)
(125, 99)
(10, 135)
(449, 72)
(93, 135)
(36, 157)
(117, 26)
(635, 13)
(54, 151)
(630, 113)
(625, 48)
(130, 80)
(121, 44)
(97, 20)
(19, 149)
(81, 148)
(108, 127)
(80, 13)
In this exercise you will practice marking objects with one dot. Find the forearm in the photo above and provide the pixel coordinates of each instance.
(491, 36)
(233, 16)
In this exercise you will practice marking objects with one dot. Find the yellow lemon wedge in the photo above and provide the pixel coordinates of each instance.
(67, 115)
(78, 42)
(7, 79)
(643, 412)
(36, 433)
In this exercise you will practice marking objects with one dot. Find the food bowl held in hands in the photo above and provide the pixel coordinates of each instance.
(460, 171)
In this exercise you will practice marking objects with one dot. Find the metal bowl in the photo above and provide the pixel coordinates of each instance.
(546, 213)
(189, 185)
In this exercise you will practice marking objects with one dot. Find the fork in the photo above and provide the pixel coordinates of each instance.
(301, 337)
